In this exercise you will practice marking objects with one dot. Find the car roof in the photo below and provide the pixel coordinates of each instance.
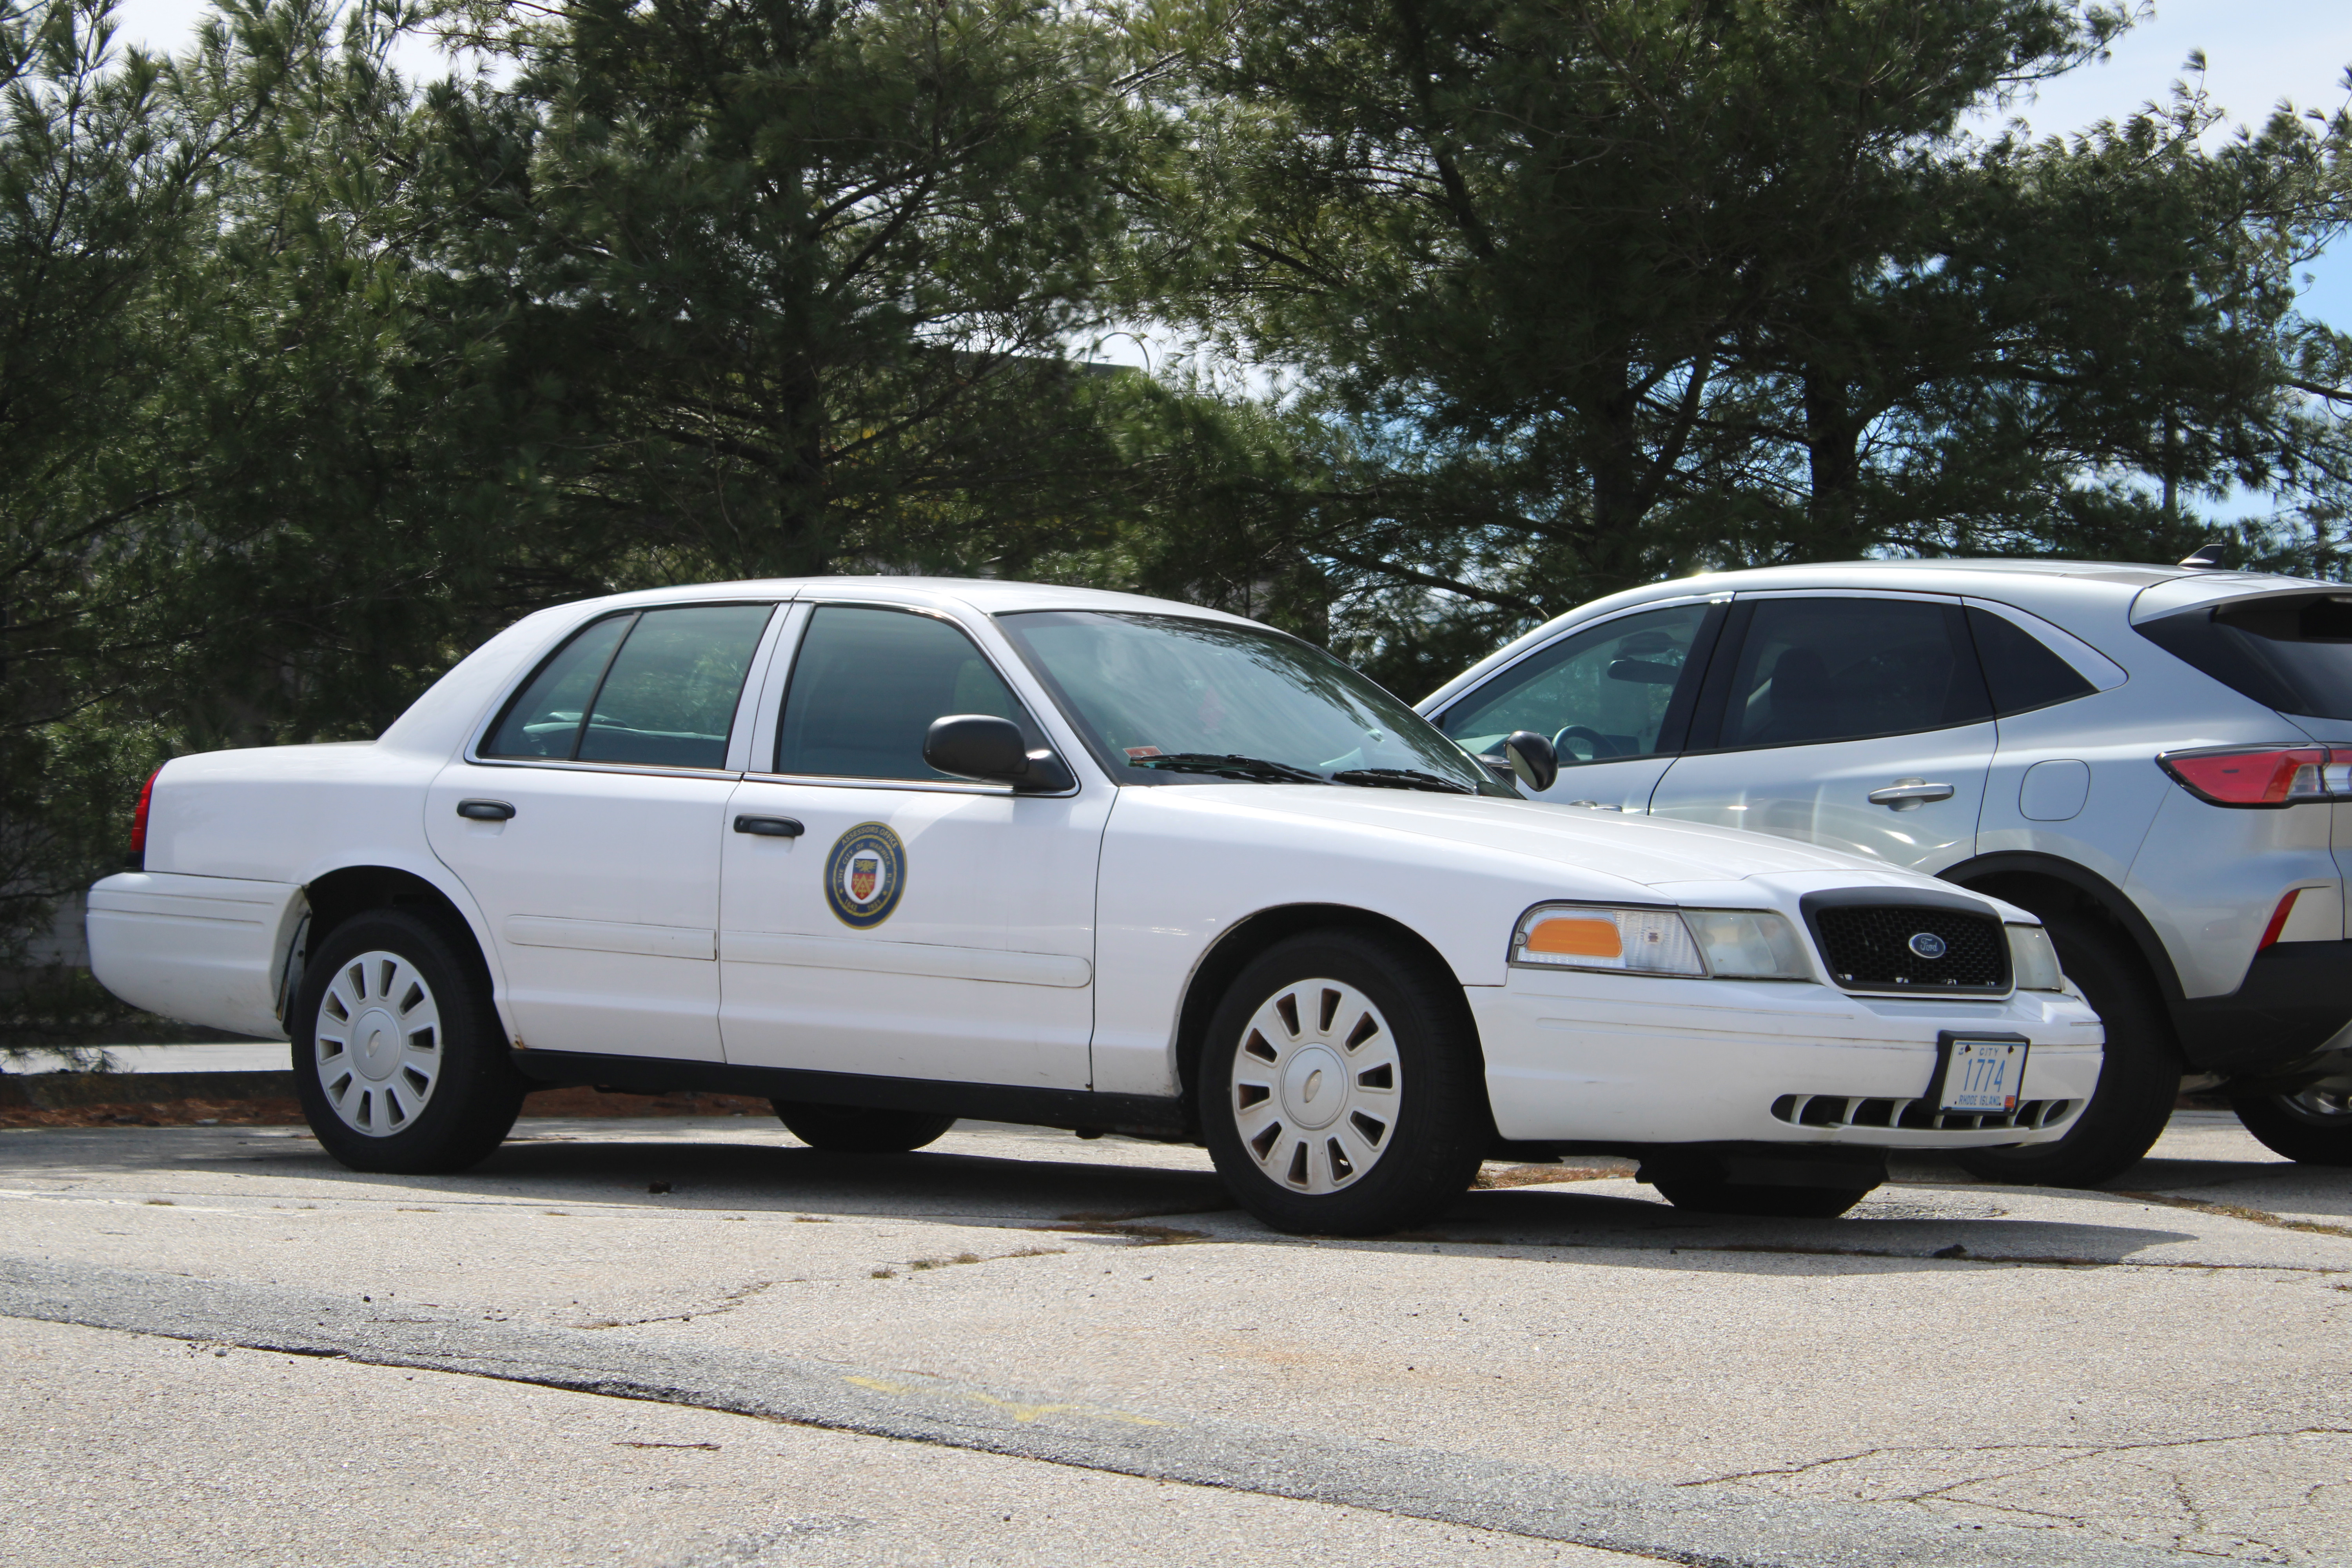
(989, 595)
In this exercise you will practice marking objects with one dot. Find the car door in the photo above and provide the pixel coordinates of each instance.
(1615, 699)
(881, 917)
(586, 822)
(1855, 721)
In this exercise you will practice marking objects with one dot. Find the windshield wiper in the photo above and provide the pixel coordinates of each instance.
(1399, 778)
(1252, 770)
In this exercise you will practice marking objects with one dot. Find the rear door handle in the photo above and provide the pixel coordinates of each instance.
(485, 810)
(770, 827)
(1910, 795)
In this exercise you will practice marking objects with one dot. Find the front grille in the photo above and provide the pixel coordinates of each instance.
(1845, 1110)
(1869, 947)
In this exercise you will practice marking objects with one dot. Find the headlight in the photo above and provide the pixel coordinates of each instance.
(1749, 944)
(2033, 961)
(1746, 944)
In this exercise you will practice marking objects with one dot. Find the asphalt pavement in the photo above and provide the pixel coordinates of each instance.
(692, 1341)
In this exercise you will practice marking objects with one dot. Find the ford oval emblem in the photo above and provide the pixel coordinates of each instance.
(1928, 945)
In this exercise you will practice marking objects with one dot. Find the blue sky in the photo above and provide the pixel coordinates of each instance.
(2258, 53)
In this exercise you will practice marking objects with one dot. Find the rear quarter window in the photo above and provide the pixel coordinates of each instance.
(2292, 653)
(2020, 671)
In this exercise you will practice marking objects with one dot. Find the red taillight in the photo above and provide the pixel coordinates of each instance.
(139, 818)
(2270, 775)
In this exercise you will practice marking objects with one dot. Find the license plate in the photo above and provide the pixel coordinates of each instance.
(1982, 1077)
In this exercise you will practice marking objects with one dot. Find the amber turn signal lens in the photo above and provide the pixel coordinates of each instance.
(1577, 937)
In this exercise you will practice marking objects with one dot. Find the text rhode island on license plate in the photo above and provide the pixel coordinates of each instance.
(1983, 1075)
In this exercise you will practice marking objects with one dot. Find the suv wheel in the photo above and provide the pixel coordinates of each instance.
(2139, 1081)
(855, 1130)
(399, 1060)
(1342, 1089)
(2313, 1127)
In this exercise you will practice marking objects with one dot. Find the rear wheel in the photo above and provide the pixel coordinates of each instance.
(2139, 1077)
(399, 1060)
(1340, 1088)
(855, 1130)
(2313, 1127)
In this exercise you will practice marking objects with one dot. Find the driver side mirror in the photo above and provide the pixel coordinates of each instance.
(983, 747)
(1532, 759)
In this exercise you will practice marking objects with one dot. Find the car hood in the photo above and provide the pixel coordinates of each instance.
(1650, 851)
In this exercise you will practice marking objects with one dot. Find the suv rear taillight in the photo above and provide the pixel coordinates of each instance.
(138, 858)
(2266, 776)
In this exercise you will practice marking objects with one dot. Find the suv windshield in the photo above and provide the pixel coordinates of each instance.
(2292, 653)
(1169, 699)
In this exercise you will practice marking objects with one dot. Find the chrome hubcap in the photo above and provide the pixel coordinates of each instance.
(1316, 1086)
(377, 1044)
(2329, 1106)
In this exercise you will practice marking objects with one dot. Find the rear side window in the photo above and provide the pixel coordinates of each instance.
(869, 683)
(2293, 653)
(1600, 693)
(656, 687)
(1845, 670)
(2021, 672)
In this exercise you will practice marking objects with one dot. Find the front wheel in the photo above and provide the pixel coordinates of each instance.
(2313, 1128)
(1341, 1090)
(855, 1130)
(399, 1060)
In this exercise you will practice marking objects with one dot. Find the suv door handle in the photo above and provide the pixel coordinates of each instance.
(485, 810)
(1910, 795)
(770, 827)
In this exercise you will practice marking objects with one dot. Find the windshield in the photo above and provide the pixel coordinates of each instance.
(1167, 699)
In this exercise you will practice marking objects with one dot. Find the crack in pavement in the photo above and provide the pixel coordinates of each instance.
(2069, 1450)
(2240, 1211)
(1725, 1526)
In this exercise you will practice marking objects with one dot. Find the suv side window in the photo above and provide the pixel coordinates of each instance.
(2022, 673)
(1847, 670)
(656, 687)
(867, 685)
(1603, 693)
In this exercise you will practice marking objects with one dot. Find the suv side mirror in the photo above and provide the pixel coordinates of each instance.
(983, 747)
(1532, 759)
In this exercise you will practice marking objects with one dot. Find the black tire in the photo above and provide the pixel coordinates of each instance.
(853, 1129)
(2138, 1081)
(2310, 1129)
(1707, 1196)
(1406, 1016)
(383, 1122)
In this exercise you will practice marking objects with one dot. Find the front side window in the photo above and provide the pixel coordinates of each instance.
(1600, 694)
(655, 688)
(1845, 670)
(1169, 699)
(867, 684)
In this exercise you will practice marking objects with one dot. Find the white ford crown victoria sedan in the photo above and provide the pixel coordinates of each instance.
(892, 851)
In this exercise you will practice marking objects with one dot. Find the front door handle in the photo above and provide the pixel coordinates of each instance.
(770, 827)
(1910, 795)
(485, 810)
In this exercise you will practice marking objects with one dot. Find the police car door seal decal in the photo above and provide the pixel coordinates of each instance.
(865, 875)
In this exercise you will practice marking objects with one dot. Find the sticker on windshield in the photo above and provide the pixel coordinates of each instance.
(865, 875)
(1138, 753)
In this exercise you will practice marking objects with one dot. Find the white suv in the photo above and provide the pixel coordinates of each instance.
(2156, 760)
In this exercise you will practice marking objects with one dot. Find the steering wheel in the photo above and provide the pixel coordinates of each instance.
(1596, 744)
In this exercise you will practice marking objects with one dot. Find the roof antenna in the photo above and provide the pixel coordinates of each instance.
(2206, 557)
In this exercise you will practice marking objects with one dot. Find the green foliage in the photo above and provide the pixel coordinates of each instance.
(312, 375)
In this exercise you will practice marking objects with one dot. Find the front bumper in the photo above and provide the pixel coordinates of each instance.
(1636, 1061)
